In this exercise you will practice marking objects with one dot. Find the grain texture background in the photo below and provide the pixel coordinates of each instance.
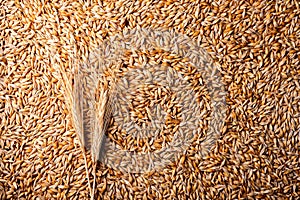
(255, 44)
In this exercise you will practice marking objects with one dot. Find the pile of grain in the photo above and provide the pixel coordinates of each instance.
(255, 43)
(166, 98)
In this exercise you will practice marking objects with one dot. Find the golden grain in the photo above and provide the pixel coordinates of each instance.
(255, 43)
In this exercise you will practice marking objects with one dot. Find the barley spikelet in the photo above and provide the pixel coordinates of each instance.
(91, 110)
(73, 97)
(103, 111)
(89, 103)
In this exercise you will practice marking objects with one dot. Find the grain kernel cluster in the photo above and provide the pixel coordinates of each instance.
(256, 46)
